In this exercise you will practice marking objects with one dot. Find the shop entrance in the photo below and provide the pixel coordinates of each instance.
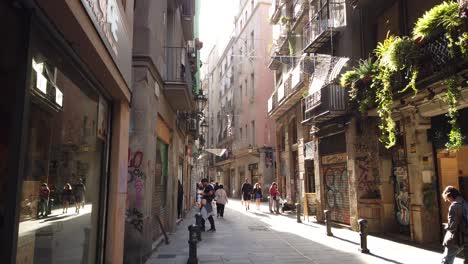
(453, 170)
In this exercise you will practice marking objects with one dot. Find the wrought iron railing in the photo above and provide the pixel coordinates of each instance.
(331, 15)
(298, 9)
(178, 66)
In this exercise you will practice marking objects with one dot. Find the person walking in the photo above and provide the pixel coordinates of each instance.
(66, 197)
(43, 204)
(257, 192)
(246, 191)
(79, 192)
(180, 199)
(221, 200)
(207, 206)
(453, 239)
(274, 196)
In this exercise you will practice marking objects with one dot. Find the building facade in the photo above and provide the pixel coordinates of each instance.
(345, 169)
(163, 123)
(238, 83)
(66, 113)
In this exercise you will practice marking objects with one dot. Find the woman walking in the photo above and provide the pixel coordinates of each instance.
(257, 194)
(453, 240)
(221, 200)
(66, 197)
(274, 195)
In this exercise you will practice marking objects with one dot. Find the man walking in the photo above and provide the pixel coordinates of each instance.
(247, 193)
(207, 206)
(453, 239)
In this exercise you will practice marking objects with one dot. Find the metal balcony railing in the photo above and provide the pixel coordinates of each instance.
(298, 9)
(178, 66)
(329, 18)
(188, 8)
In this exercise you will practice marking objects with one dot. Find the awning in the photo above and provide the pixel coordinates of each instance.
(217, 152)
(327, 69)
(337, 69)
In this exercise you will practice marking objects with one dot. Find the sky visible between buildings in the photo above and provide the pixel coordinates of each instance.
(216, 23)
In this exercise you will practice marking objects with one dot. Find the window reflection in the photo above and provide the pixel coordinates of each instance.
(60, 199)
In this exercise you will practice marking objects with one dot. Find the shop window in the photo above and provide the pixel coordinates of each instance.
(62, 197)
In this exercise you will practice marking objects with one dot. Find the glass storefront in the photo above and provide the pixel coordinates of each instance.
(64, 174)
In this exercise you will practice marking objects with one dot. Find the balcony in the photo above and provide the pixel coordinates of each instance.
(187, 15)
(275, 10)
(300, 14)
(178, 79)
(329, 102)
(289, 92)
(327, 21)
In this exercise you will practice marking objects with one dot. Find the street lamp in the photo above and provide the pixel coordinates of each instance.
(201, 100)
(203, 127)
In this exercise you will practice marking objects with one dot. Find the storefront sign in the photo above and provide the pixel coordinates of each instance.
(309, 150)
(334, 159)
(109, 23)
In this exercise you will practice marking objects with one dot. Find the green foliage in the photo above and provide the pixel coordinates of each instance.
(452, 97)
(443, 17)
(348, 78)
(462, 43)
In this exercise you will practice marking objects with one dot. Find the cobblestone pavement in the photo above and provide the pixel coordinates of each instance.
(260, 237)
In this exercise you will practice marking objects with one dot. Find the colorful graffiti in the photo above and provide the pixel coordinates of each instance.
(135, 180)
(402, 196)
(337, 192)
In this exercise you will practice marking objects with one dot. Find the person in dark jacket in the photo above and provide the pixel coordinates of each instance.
(67, 195)
(453, 239)
(79, 192)
(180, 199)
(246, 191)
(257, 192)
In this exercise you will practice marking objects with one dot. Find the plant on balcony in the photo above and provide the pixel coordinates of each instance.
(287, 22)
(358, 81)
(444, 17)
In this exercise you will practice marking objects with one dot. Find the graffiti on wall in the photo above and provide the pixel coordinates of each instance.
(337, 192)
(135, 218)
(135, 180)
(402, 195)
(368, 177)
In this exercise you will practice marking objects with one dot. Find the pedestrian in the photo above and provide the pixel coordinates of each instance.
(274, 196)
(246, 191)
(79, 192)
(66, 197)
(216, 186)
(43, 204)
(453, 239)
(207, 206)
(180, 198)
(221, 200)
(257, 192)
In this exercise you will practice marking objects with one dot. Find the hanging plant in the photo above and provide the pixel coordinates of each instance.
(452, 96)
(394, 54)
(442, 17)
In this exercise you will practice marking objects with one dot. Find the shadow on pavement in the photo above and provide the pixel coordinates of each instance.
(386, 259)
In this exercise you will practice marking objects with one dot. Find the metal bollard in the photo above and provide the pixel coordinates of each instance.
(298, 212)
(198, 222)
(328, 222)
(193, 240)
(363, 234)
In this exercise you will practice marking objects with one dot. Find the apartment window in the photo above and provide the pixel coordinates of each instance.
(240, 51)
(240, 92)
(294, 131)
(252, 82)
(246, 88)
(246, 15)
(240, 133)
(252, 4)
(252, 40)
(253, 132)
(245, 45)
(246, 136)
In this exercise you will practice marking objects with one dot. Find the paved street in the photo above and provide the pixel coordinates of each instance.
(260, 237)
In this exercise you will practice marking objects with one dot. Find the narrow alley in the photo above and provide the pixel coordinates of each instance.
(259, 237)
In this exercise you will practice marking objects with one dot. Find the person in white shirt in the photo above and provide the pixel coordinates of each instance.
(221, 200)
